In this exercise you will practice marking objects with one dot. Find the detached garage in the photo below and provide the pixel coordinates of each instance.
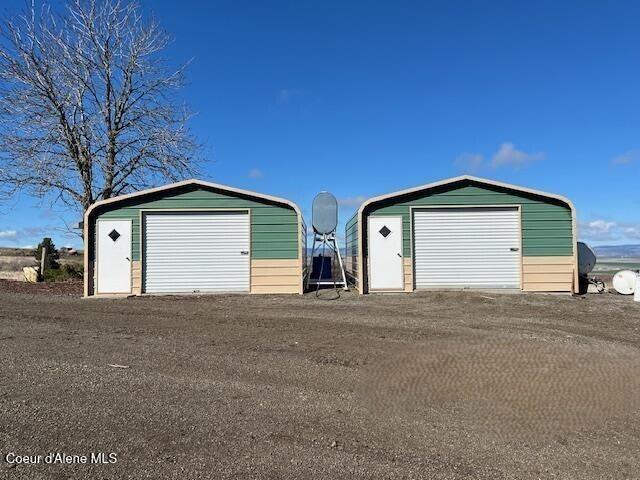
(193, 237)
(465, 232)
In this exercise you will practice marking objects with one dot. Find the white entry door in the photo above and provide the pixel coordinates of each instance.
(474, 247)
(191, 252)
(385, 253)
(114, 256)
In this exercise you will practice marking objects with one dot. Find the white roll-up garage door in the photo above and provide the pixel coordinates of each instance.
(467, 247)
(190, 252)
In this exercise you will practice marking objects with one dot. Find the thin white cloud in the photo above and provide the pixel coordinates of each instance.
(607, 230)
(627, 158)
(509, 156)
(469, 162)
(631, 231)
(28, 234)
(351, 201)
(284, 96)
(598, 230)
(506, 156)
(288, 95)
(255, 173)
(36, 231)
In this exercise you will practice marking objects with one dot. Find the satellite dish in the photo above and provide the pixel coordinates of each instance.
(325, 213)
(624, 282)
(586, 258)
(324, 219)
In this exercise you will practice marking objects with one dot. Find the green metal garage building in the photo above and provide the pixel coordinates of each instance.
(464, 232)
(194, 237)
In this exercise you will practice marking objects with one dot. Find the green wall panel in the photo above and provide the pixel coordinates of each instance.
(546, 224)
(274, 228)
(351, 240)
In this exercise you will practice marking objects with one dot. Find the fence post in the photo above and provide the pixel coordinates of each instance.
(42, 259)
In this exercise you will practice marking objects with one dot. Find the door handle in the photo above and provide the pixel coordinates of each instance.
(244, 252)
(514, 249)
(128, 258)
(400, 255)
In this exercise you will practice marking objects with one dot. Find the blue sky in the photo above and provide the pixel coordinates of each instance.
(364, 98)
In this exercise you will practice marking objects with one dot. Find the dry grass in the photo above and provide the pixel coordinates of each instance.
(15, 264)
(11, 266)
(12, 275)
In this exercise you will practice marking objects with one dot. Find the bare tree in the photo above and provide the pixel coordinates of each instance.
(88, 104)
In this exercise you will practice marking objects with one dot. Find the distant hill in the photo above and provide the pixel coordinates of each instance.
(617, 251)
(29, 252)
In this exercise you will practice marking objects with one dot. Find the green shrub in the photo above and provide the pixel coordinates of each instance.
(52, 255)
(65, 273)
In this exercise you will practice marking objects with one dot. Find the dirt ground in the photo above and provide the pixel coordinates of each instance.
(428, 385)
(72, 288)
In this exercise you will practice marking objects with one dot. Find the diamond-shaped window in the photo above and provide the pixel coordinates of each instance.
(384, 231)
(114, 235)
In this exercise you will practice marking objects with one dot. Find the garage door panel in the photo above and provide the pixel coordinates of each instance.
(196, 252)
(467, 247)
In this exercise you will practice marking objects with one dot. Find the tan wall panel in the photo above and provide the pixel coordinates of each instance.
(545, 268)
(275, 276)
(547, 274)
(266, 289)
(548, 287)
(408, 275)
(136, 277)
(266, 263)
(352, 278)
(548, 260)
(549, 277)
(275, 280)
(274, 271)
(351, 266)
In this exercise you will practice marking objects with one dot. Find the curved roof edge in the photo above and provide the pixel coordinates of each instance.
(184, 183)
(461, 178)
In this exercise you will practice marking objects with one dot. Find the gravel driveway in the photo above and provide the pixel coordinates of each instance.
(426, 385)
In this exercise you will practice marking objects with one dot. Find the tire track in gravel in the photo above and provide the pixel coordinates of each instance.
(511, 388)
